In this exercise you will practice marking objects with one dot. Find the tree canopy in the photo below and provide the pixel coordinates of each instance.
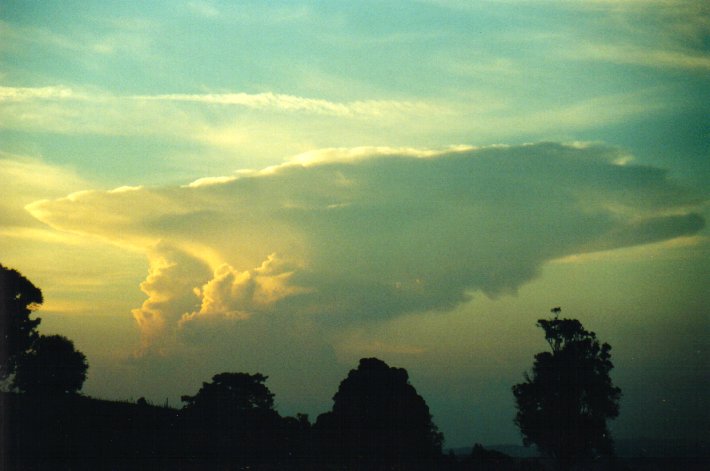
(232, 392)
(233, 418)
(36, 363)
(564, 404)
(53, 366)
(378, 416)
(18, 298)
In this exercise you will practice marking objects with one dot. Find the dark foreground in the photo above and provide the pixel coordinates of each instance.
(80, 433)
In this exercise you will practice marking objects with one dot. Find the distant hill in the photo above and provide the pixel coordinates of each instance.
(662, 448)
(515, 451)
(625, 448)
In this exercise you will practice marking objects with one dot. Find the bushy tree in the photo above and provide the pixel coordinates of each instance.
(52, 367)
(564, 404)
(232, 418)
(18, 298)
(379, 419)
(232, 392)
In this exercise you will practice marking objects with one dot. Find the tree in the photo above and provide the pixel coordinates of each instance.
(232, 418)
(564, 404)
(232, 392)
(52, 366)
(18, 298)
(379, 419)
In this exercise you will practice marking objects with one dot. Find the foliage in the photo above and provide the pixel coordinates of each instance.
(378, 416)
(51, 367)
(18, 298)
(232, 392)
(232, 418)
(563, 406)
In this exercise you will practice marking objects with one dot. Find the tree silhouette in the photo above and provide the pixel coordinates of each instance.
(563, 406)
(379, 419)
(232, 392)
(51, 367)
(232, 418)
(18, 298)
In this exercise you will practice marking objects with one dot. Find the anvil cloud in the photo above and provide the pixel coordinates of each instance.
(350, 235)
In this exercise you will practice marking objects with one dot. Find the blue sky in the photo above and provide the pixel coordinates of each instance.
(287, 187)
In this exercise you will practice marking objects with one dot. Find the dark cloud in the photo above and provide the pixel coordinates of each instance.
(348, 235)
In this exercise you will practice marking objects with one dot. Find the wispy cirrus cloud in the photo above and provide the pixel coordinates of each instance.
(203, 8)
(653, 33)
(660, 34)
(249, 122)
(38, 93)
(91, 111)
(650, 57)
(129, 37)
(282, 102)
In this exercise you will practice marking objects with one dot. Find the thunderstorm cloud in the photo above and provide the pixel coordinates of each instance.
(345, 236)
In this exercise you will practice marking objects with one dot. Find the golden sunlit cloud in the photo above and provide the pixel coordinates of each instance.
(373, 233)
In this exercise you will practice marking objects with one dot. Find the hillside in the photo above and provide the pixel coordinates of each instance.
(80, 433)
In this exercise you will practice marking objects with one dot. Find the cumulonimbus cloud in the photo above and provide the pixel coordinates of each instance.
(349, 235)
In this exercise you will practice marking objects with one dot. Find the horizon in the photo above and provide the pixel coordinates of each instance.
(209, 186)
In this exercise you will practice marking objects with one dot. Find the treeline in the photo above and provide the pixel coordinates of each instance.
(378, 420)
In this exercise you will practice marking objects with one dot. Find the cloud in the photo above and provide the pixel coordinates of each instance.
(586, 113)
(676, 59)
(27, 178)
(660, 34)
(169, 287)
(69, 110)
(342, 237)
(282, 102)
(663, 34)
(242, 123)
(236, 295)
(43, 93)
(129, 37)
(204, 9)
(267, 125)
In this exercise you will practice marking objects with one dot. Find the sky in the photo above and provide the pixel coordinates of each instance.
(288, 187)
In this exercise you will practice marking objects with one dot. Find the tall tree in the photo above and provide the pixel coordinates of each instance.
(379, 421)
(232, 418)
(564, 404)
(52, 366)
(18, 298)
